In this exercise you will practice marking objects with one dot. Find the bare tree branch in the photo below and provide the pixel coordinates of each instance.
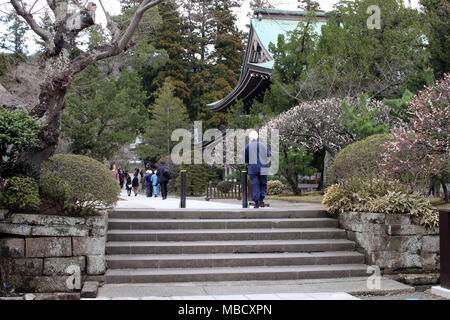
(144, 6)
(19, 6)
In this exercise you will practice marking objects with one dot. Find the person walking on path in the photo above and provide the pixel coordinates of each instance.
(136, 184)
(257, 157)
(141, 180)
(128, 183)
(164, 176)
(155, 184)
(121, 178)
(115, 173)
(148, 183)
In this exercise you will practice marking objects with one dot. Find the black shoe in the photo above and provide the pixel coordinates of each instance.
(256, 205)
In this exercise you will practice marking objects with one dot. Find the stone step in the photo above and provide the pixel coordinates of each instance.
(249, 246)
(233, 260)
(235, 273)
(160, 224)
(217, 214)
(226, 234)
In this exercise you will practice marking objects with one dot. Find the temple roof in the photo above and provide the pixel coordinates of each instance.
(258, 62)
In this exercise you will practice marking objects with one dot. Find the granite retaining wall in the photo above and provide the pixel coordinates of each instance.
(393, 242)
(40, 253)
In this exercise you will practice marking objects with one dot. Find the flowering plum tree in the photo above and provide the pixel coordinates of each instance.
(420, 149)
(316, 125)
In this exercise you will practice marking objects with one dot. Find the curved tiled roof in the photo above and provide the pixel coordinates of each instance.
(267, 27)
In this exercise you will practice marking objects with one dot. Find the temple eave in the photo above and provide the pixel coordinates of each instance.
(255, 81)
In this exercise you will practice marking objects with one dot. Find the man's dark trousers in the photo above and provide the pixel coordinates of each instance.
(149, 190)
(164, 190)
(259, 187)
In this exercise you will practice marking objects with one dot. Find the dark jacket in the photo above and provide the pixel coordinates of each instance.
(128, 183)
(135, 182)
(257, 156)
(148, 180)
(163, 174)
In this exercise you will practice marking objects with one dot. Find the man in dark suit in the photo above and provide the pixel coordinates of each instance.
(257, 157)
(164, 176)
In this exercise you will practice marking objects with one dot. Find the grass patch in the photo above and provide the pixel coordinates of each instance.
(313, 197)
(439, 204)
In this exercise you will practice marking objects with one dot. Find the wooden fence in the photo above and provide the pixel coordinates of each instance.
(214, 191)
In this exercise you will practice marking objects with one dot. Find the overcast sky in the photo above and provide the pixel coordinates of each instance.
(243, 20)
(113, 7)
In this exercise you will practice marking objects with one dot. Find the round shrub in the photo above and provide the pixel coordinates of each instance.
(20, 193)
(361, 159)
(78, 184)
(275, 188)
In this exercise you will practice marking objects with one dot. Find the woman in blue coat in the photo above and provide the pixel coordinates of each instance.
(155, 184)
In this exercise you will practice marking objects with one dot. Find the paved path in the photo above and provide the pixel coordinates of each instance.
(142, 202)
(322, 289)
(260, 297)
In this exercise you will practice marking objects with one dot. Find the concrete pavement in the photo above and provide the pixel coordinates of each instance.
(322, 289)
(142, 202)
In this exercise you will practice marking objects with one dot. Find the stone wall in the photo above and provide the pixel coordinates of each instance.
(36, 250)
(393, 242)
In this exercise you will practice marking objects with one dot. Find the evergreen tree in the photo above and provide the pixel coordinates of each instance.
(168, 37)
(14, 37)
(103, 115)
(360, 121)
(168, 114)
(437, 17)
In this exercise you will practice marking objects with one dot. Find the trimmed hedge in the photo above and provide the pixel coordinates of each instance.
(361, 159)
(78, 184)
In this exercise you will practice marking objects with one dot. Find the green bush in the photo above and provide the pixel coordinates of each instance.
(401, 203)
(226, 186)
(275, 188)
(20, 193)
(361, 159)
(373, 195)
(78, 184)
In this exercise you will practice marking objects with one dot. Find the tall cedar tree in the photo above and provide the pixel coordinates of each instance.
(168, 37)
(212, 73)
(168, 114)
(437, 17)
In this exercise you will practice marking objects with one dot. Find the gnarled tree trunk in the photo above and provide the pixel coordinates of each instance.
(61, 66)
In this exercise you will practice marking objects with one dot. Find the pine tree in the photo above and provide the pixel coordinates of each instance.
(168, 37)
(102, 115)
(168, 114)
(13, 39)
(309, 5)
(437, 17)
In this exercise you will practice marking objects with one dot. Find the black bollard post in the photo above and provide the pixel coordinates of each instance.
(244, 189)
(444, 231)
(183, 189)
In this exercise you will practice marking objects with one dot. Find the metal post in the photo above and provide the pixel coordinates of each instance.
(244, 189)
(183, 189)
(444, 231)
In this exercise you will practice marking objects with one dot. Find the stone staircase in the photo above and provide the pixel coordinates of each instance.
(148, 246)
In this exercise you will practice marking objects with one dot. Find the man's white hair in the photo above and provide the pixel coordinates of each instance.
(253, 136)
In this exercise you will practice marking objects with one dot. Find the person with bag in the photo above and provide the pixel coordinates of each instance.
(128, 183)
(136, 184)
(164, 177)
